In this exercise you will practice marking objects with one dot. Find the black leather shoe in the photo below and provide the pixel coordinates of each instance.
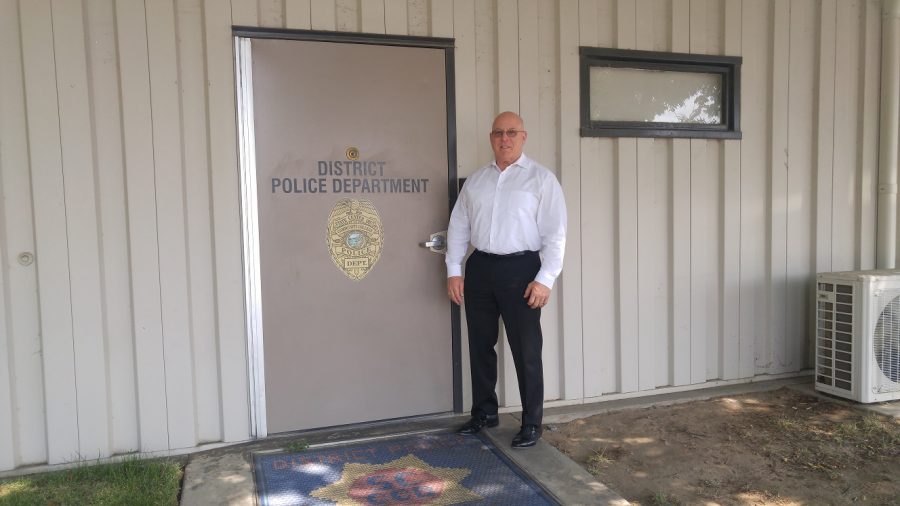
(476, 423)
(526, 437)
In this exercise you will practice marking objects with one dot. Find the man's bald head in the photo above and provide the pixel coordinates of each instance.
(507, 138)
(509, 116)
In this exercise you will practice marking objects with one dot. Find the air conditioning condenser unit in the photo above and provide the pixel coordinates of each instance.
(858, 335)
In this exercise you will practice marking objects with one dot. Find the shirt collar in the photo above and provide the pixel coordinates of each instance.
(523, 161)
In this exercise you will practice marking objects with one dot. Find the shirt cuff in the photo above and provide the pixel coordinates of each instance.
(545, 279)
(454, 270)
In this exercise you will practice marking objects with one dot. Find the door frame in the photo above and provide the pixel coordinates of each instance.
(243, 35)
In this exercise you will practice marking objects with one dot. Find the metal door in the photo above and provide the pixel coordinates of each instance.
(351, 173)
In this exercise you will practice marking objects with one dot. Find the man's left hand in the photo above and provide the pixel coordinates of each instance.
(537, 295)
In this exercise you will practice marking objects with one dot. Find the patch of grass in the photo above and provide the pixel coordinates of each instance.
(786, 424)
(133, 482)
(709, 483)
(871, 436)
(663, 499)
(711, 487)
(295, 446)
(829, 446)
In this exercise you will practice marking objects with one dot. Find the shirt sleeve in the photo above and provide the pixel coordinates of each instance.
(551, 221)
(458, 235)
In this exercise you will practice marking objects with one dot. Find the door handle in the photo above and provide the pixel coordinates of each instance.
(437, 242)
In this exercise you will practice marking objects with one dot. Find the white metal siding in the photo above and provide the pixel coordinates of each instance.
(688, 260)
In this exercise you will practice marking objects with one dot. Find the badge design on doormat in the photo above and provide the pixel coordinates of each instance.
(355, 237)
(407, 480)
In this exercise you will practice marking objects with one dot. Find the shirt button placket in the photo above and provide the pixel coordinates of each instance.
(494, 211)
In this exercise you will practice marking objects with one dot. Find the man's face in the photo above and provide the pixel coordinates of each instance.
(507, 148)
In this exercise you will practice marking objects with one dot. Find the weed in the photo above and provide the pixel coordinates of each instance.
(597, 461)
(298, 445)
(663, 499)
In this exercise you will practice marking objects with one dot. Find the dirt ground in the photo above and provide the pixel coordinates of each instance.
(778, 447)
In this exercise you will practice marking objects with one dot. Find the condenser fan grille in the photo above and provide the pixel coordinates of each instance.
(834, 343)
(886, 342)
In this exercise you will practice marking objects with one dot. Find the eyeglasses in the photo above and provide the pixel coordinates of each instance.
(511, 133)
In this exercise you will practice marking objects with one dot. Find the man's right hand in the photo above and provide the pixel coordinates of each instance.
(455, 289)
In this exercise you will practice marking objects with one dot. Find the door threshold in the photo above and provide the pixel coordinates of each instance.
(324, 437)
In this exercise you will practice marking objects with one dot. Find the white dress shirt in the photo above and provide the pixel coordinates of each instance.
(518, 209)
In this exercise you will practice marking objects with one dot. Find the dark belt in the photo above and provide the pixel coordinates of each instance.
(507, 255)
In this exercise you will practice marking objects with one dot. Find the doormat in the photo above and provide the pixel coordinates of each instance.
(432, 469)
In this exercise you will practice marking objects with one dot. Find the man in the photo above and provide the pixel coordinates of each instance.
(513, 213)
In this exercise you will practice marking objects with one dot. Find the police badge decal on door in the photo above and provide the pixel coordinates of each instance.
(355, 237)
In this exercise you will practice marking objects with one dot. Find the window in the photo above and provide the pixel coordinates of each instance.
(628, 93)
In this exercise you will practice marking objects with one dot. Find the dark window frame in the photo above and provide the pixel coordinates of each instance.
(728, 67)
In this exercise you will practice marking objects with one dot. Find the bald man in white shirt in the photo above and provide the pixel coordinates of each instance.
(513, 213)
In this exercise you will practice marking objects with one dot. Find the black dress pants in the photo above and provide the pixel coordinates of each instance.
(494, 288)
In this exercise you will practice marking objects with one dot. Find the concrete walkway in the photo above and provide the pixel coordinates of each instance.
(225, 476)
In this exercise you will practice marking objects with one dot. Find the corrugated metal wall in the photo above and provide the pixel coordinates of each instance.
(118, 169)
(689, 260)
(697, 256)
